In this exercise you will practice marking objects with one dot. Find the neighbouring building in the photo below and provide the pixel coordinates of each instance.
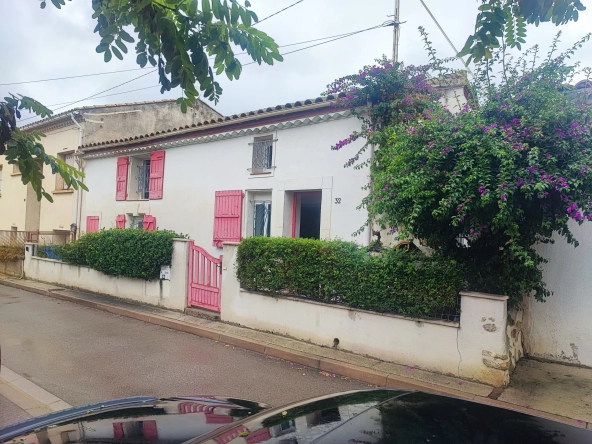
(65, 132)
(268, 172)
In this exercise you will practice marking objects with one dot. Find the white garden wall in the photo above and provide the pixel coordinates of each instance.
(165, 293)
(560, 329)
(477, 348)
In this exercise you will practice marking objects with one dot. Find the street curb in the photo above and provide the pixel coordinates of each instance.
(27, 395)
(331, 366)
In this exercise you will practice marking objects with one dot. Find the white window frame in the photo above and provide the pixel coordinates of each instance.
(266, 222)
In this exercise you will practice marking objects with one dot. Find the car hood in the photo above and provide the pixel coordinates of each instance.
(135, 419)
(396, 416)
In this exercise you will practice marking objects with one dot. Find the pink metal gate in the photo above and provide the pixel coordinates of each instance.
(205, 279)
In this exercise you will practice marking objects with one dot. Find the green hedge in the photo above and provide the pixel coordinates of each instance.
(123, 252)
(394, 281)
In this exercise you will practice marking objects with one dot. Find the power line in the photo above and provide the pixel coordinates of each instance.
(138, 69)
(446, 36)
(109, 95)
(276, 13)
(383, 25)
(70, 77)
(337, 37)
(94, 95)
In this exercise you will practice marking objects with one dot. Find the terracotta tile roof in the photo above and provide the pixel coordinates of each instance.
(251, 116)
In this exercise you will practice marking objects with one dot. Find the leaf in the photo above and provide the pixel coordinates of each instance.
(184, 107)
(56, 3)
(102, 48)
(467, 48)
(107, 56)
(42, 5)
(143, 4)
(142, 59)
(234, 13)
(207, 10)
(246, 17)
(216, 6)
(117, 52)
(125, 36)
(121, 45)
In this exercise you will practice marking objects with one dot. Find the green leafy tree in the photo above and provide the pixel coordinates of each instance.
(176, 37)
(484, 185)
(503, 23)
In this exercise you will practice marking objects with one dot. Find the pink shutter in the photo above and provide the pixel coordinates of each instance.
(156, 174)
(228, 218)
(122, 168)
(120, 221)
(149, 430)
(118, 430)
(149, 222)
(92, 224)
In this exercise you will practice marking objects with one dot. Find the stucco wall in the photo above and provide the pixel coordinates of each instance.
(169, 294)
(59, 214)
(476, 348)
(116, 122)
(13, 268)
(303, 161)
(560, 329)
(13, 197)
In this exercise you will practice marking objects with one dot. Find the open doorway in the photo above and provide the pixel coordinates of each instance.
(306, 214)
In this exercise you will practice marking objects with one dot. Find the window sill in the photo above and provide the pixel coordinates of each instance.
(62, 191)
(16, 174)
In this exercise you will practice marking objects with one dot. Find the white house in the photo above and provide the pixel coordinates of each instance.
(267, 172)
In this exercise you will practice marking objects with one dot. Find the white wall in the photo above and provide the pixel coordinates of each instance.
(193, 173)
(165, 293)
(560, 329)
(476, 349)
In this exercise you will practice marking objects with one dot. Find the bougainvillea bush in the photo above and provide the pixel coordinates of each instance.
(486, 184)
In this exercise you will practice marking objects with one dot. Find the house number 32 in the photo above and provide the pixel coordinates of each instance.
(338, 200)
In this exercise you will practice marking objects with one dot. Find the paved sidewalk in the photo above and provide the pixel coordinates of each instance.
(21, 399)
(328, 360)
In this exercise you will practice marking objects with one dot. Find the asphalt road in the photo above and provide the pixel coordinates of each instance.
(11, 413)
(84, 355)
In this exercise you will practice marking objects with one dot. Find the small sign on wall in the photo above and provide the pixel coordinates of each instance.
(165, 272)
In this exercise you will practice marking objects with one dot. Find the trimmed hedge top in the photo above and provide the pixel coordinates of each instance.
(123, 252)
(395, 281)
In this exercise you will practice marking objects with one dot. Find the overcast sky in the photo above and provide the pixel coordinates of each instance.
(41, 44)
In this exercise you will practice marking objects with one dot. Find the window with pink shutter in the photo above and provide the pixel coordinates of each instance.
(149, 430)
(122, 171)
(120, 221)
(118, 432)
(156, 174)
(149, 222)
(228, 219)
(92, 224)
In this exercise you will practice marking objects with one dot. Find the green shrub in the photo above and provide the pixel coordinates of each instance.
(123, 252)
(394, 281)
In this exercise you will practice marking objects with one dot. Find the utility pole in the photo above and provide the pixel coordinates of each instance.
(396, 33)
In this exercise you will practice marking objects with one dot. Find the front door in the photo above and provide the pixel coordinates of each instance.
(306, 214)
